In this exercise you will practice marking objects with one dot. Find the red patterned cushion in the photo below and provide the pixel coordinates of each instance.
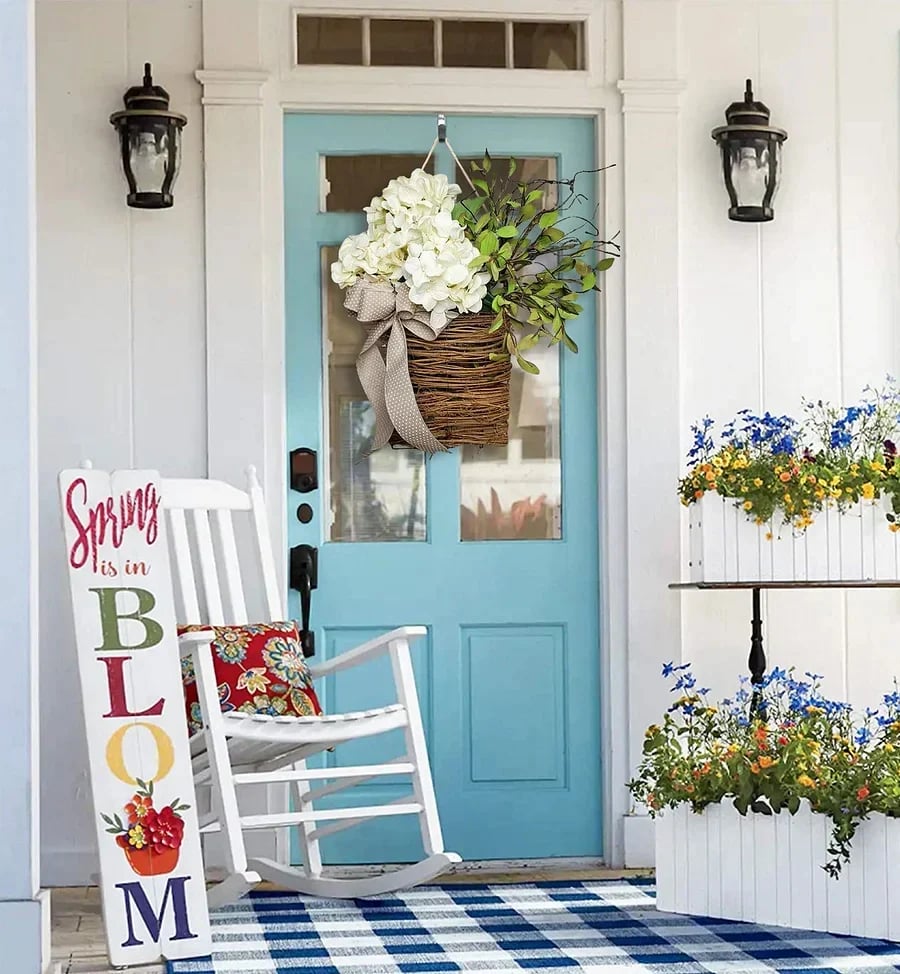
(259, 669)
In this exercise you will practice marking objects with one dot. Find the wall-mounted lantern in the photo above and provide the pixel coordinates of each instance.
(150, 139)
(751, 159)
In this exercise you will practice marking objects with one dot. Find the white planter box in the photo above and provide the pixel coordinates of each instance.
(725, 545)
(767, 869)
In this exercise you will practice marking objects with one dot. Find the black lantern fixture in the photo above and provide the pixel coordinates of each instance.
(150, 138)
(751, 159)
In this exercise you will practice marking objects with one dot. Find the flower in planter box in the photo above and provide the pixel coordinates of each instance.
(778, 465)
(798, 745)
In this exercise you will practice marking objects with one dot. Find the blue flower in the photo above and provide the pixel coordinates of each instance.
(863, 736)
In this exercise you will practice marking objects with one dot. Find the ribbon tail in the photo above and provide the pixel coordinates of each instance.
(400, 399)
(371, 371)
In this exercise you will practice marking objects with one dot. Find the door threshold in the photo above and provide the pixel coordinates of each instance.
(573, 868)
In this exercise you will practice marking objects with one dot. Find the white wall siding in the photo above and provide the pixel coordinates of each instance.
(121, 327)
(808, 304)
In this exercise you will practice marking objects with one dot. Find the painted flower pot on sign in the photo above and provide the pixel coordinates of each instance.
(767, 869)
(146, 862)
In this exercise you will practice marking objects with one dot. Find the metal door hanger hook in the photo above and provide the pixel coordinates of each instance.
(442, 127)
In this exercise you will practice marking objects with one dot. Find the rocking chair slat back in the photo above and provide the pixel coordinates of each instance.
(274, 598)
(209, 572)
(186, 597)
(205, 551)
(231, 566)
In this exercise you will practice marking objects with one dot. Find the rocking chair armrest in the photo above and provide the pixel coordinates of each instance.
(188, 640)
(366, 651)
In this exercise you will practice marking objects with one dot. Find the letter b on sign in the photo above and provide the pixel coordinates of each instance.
(111, 619)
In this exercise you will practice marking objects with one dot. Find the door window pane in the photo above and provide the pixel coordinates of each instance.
(528, 170)
(329, 40)
(514, 493)
(351, 181)
(553, 45)
(372, 496)
(474, 43)
(402, 42)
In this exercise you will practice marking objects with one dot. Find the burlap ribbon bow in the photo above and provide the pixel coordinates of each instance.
(381, 307)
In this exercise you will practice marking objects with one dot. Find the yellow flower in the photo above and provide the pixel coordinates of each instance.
(651, 730)
(894, 527)
(889, 747)
(868, 491)
(757, 482)
(877, 465)
(814, 710)
(748, 505)
(768, 535)
(806, 781)
(136, 837)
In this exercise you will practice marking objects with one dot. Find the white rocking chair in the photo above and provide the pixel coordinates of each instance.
(236, 748)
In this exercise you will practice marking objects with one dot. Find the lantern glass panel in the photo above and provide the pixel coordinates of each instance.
(750, 164)
(149, 146)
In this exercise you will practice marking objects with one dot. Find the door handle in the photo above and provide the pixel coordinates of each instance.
(303, 574)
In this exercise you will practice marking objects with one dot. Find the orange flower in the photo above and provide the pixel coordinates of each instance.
(784, 476)
(754, 767)
(863, 793)
(782, 740)
(766, 762)
(138, 807)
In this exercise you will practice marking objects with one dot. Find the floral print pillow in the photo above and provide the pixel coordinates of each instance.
(260, 669)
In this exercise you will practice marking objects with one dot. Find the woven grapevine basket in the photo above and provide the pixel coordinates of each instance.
(463, 396)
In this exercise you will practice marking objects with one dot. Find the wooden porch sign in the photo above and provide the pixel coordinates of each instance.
(151, 869)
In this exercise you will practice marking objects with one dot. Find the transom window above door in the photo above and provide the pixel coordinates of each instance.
(440, 43)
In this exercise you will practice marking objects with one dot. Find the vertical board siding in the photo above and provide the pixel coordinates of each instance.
(812, 303)
(121, 331)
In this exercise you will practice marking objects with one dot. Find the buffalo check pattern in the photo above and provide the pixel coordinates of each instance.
(610, 926)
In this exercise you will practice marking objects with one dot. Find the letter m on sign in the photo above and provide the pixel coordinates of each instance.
(154, 898)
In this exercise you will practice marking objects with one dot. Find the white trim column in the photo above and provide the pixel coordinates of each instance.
(24, 910)
(650, 89)
(244, 337)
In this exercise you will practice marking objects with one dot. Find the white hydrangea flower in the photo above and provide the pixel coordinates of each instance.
(347, 268)
(412, 236)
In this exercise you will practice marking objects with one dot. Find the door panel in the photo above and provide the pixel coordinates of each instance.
(494, 550)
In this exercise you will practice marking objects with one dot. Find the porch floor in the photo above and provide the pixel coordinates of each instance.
(79, 946)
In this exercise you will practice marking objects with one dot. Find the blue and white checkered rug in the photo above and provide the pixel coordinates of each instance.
(592, 926)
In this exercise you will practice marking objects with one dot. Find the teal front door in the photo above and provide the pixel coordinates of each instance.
(494, 550)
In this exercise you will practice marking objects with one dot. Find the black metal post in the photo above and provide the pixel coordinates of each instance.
(757, 661)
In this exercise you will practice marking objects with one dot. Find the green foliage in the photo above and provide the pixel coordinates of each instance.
(542, 260)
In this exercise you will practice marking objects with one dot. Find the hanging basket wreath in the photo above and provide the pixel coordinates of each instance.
(450, 291)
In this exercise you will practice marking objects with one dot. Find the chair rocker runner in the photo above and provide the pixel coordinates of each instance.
(237, 748)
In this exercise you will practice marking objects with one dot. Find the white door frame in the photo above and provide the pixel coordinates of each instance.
(249, 81)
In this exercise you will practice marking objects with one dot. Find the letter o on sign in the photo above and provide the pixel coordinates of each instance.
(115, 753)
